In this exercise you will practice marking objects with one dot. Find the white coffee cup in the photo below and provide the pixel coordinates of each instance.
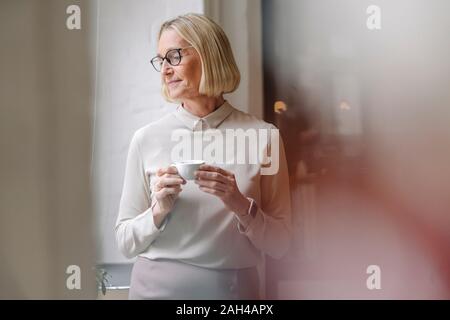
(186, 169)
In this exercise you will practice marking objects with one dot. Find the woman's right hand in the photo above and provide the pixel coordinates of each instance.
(165, 191)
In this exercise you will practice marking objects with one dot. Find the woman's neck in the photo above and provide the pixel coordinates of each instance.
(202, 106)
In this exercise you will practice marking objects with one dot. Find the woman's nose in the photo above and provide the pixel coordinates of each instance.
(166, 67)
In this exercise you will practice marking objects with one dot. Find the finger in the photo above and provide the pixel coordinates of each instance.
(207, 167)
(212, 191)
(209, 175)
(164, 182)
(164, 192)
(158, 186)
(174, 176)
(162, 171)
(176, 186)
(172, 169)
(212, 185)
(170, 186)
(169, 175)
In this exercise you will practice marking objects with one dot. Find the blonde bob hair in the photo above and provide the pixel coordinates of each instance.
(220, 73)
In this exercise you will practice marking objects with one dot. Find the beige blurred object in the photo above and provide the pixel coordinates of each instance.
(114, 294)
(379, 101)
(304, 200)
(45, 122)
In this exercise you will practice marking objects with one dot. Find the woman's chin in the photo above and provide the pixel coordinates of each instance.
(177, 96)
(174, 94)
(174, 97)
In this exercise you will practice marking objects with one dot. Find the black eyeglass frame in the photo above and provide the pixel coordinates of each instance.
(158, 65)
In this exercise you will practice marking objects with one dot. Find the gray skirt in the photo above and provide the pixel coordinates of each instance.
(170, 279)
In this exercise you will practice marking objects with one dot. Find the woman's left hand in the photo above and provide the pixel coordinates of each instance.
(222, 183)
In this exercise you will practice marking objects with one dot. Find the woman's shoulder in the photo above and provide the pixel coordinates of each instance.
(154, 128)
(250, 120)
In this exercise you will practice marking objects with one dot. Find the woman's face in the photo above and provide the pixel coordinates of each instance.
(183, 80)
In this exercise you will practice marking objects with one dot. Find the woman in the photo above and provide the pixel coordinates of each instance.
(198, 239)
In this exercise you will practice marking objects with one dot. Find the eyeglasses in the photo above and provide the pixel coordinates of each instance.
(172, 56)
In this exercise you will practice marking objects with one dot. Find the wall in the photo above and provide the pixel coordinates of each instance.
(241, 21)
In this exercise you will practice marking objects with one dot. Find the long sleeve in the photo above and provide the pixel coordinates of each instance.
(199, 229)
(135, 229)
(270, 229)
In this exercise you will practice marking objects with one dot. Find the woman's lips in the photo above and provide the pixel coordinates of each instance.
(173, 82)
